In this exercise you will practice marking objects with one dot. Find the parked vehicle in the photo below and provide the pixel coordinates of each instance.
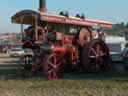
(61, 42)
(125, 58)
(120, 58)
(16, 52)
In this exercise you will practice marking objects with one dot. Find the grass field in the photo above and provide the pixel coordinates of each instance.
(72, 84)
(64, 88)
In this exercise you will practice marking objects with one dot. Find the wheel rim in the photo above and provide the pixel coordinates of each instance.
(98, 55)
(54, 63)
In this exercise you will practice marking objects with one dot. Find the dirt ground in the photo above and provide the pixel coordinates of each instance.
(7, 60)
(9, 66)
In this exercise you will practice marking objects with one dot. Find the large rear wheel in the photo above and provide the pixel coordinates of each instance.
(53, 67)
(95, 56)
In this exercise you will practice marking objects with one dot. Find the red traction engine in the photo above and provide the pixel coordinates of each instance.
(61, 42)
(75, 49)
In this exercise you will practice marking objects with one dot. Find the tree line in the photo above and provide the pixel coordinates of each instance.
(119, 29)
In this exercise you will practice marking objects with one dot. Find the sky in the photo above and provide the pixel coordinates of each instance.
(114, 11)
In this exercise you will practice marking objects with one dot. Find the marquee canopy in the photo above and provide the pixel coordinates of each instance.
(29, 17)
(25, 17)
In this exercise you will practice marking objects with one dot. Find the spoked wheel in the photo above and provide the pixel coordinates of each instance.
(52, 66)
(25, 64)
(95, 56)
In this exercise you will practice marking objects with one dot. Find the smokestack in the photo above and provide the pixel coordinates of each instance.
(42, 6)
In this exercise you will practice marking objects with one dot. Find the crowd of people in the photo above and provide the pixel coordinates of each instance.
(4, 48)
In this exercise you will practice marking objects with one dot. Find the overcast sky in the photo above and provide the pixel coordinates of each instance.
(108, 10)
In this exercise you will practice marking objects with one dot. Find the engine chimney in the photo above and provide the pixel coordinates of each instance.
(42, 6)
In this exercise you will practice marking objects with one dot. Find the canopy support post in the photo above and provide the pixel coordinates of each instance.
(22, 27)
(36, 28)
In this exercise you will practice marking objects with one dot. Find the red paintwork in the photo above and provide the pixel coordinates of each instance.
(67, 40)
(59, 50)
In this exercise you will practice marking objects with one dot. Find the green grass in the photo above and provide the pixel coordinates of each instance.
(64, 88)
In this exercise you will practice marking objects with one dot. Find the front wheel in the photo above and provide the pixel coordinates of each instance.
(53, 67)
(25, 64)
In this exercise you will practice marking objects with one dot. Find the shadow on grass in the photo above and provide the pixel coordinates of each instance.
(97, 76)
(14, 75)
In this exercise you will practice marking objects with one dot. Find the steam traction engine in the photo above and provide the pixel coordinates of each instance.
(60, 41)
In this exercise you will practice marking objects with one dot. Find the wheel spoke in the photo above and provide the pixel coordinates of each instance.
(51, 70)
(93, 51)
(50, 63)
(58, 62)
(54, 60)
(52, 76)
(55, 76)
